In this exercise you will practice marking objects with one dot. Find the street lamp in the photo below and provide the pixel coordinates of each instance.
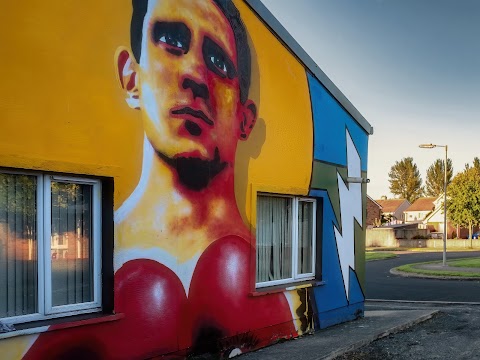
(431, 146)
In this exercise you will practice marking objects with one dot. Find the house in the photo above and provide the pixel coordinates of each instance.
(392, 209)
(184, 180)
(374, 212)
(420, 209)
(434, 222)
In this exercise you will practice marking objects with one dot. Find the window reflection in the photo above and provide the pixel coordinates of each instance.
(18, 245)
(71, 226)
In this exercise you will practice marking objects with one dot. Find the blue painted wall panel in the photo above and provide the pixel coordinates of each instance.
(330, 120)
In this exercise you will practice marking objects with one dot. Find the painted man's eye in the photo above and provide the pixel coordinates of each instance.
(175, 37)
(219, 63)
(172, 41)
(217, 59)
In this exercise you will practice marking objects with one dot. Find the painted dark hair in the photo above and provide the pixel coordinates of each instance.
(239, 32)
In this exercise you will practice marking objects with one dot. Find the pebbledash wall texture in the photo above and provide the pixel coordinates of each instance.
(177, 177)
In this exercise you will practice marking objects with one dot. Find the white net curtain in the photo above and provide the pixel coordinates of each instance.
(285, 238)
(305, 235)
(274, 238)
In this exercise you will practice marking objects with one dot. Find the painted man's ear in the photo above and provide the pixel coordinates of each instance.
(249, 117)
(127, 76)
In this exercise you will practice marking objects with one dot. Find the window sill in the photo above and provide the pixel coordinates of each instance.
(38, 327)
(285, 287)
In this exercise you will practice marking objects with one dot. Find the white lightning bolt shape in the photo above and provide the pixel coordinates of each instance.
(350, 209)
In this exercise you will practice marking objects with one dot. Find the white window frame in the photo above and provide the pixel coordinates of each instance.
(296, 277)
(311, 275)
(44, 281)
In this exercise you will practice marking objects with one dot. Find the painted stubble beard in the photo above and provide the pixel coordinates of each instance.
(194, 173)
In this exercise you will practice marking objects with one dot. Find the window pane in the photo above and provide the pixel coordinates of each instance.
(274, 238)
(71, 243)
(305, 237)
(18, 245)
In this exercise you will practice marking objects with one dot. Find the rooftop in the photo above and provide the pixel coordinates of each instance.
(390, 205)
(423, 204)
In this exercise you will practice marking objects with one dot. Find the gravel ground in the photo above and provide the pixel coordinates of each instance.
(454, 333)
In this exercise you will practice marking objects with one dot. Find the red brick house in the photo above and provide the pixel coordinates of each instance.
(374, 212)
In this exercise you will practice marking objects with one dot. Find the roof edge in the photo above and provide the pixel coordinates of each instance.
(271, 21)
(380, 206)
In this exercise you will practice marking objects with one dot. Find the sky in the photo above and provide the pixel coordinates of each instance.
(411, 67)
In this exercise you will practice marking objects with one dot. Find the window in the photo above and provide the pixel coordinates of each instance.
(285, 239)
(50, 246)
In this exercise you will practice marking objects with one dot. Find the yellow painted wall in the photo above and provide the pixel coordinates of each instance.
(278, 155)
(62, 110)
(60, 106)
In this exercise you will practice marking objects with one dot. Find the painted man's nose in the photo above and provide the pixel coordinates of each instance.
(198, 90)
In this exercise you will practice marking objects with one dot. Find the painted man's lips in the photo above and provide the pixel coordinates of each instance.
(196, 113)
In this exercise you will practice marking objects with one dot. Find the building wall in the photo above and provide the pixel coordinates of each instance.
(343, 235)
(391, 237)
(411, 216)
(388, 238)
(399, 212)
(184, 281)
(374, 213)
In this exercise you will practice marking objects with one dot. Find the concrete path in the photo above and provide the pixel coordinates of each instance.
(332, 342)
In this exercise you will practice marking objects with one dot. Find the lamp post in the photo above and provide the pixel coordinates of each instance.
(431, 146)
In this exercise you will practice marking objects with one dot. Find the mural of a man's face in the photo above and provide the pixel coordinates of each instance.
(187, 84)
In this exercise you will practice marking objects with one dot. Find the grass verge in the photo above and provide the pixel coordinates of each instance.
(380, 249)
(378, 255)
(412, 268)
(469, 263)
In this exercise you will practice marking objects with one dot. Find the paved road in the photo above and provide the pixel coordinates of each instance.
(380, 284)
(452, 334)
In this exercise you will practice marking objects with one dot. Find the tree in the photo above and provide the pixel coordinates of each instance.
(476, 163)
(436, 177)
(463, 201)
(405, 180)
(386, 218)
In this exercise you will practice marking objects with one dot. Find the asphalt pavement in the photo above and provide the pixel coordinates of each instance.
(334, 341)
(381, 284)
(453, 333)
(390, 331)
(424, 319)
